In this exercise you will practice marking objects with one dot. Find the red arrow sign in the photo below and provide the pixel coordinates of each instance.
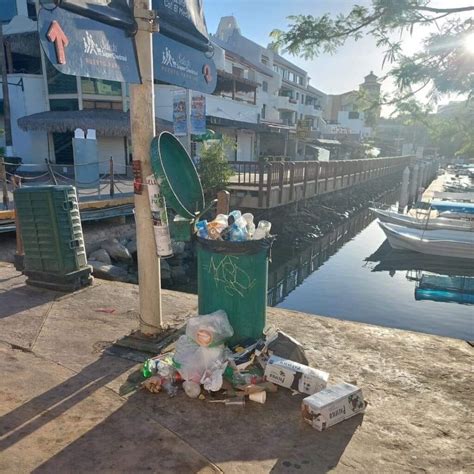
(57, 36)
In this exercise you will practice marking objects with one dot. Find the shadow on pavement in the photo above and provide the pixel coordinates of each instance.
(270, 437)
(23, 298)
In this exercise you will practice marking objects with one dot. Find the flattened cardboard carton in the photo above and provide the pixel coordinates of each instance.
(292, 375)
(332, 405)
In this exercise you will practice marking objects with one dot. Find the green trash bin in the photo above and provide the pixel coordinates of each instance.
(232, 276)
(50, 225)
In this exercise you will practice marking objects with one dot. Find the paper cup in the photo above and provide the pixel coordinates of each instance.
(259, 397)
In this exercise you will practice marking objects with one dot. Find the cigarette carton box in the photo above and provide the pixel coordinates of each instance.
(332, 405)
(289, 374)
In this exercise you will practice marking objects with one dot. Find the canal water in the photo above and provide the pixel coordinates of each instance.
(353, 274)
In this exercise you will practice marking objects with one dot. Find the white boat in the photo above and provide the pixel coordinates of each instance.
(446, 243)
(426, 222)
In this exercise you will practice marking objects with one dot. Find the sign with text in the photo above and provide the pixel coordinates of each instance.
(198, 115)
(180, 124)
(183, 20)
(80, 46)
(181, 65)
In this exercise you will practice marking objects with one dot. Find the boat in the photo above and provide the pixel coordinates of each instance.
(446, 243)
(427, 223)
(464, 208)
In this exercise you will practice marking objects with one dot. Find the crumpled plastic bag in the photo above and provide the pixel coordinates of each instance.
(192, 360)
(212, 378)
(210, 329)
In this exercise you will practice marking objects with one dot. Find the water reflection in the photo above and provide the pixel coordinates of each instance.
(436, 278)
(287, 272)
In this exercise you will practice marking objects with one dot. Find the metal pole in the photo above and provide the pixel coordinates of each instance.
(111, 178)
(142, 115)
(404, 194)
(51, 172)
(6, 98)
(20, 251)
(188, 120)
(3, 179)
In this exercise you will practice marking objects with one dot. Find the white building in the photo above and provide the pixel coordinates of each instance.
(284, 95)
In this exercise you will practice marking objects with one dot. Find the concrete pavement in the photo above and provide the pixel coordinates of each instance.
(63, 407)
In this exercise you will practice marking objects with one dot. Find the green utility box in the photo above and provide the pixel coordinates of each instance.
(232, 276)
(50, 225)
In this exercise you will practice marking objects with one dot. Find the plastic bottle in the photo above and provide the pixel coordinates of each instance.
(263, 230)
(238, 231)
(201, 229)
(250, 224)
(235, 214)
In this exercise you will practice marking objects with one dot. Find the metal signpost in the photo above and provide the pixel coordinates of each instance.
(104, 39)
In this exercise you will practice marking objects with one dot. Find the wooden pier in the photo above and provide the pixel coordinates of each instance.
(259, 185)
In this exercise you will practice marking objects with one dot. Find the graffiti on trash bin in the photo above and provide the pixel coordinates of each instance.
(226, 272)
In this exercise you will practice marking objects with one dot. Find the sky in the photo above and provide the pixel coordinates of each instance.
(333, 74)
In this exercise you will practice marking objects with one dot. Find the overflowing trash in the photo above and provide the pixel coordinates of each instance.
(206, 368)
(235, 227)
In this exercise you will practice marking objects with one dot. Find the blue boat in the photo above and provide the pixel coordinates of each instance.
(453, 206)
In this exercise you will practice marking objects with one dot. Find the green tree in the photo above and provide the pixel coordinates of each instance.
(445, 64)
(213, 167)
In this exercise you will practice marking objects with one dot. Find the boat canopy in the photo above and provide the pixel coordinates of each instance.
(453, 206)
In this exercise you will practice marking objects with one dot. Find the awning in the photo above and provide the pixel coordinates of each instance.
(326, 141)
(113, 123)
(223, 122)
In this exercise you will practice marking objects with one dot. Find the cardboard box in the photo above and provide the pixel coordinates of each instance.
(333, 405)
(292, 375)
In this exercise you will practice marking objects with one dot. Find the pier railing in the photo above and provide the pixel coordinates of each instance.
(283, 182)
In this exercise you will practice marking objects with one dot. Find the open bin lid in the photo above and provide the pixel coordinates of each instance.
(177, 175)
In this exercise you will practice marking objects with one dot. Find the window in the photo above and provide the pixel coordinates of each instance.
(60, 83)
(264, 110)
(265, 60)
(353, 115)
(265, 86)
(102, 104)
(301, 80)
(297, 95)
(25, 64)
(31, 7)
(100, 87)
(302, 98)
(64, 104)
(292, 77)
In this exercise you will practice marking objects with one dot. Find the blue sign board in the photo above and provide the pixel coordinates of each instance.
(181, 65)
(80, 46)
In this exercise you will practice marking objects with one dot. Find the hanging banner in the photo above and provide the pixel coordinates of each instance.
(198, 115)
(160, 218)
(180, 123)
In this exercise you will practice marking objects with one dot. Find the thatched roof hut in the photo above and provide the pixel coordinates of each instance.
(106, 122)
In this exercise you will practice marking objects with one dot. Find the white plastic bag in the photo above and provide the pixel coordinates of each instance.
(210, 329)
(193, 361)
